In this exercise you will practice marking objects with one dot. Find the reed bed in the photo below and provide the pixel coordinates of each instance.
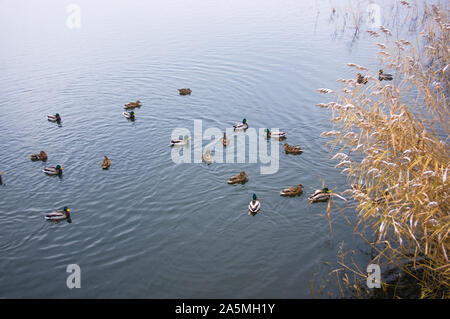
(391, 141)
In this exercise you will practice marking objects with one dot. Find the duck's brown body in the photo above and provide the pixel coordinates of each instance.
(106, 163)
(239, 178)
(184, 91)
(292, 191)
(42, 156)
(292, 149)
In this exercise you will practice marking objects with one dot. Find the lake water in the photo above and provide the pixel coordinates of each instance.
(147, 227)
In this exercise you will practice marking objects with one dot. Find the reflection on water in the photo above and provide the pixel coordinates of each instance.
(148, 227)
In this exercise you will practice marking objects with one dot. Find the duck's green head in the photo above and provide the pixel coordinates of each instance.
(131, 113)
(254, 197)
(57, 114)
(326, 190)
(59, 167)
(66, 209)
(244, 121)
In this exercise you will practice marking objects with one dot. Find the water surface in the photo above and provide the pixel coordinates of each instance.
(148, 228)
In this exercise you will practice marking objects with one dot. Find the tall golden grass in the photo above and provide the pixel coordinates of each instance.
(391, 140)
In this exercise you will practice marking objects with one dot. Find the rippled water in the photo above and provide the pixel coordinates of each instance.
(148, 227)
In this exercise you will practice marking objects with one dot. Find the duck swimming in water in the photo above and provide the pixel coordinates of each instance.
(292, 191)
(132, 105)
(292, 149)
(254, 207)
(239, 178)
(41, 156)
(207, 157)
(59, 215)
(180, 141)
(361, 79)
(384, 76)
(275, 134)
(106, 163)
(241, 126)
(129, 115)
(225, 141)
(53, 170)
(320, 195)
(184, 91)
(54, 118)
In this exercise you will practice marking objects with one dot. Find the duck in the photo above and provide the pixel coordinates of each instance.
(129, 115)
(207, 157)
(293, 149)
(59, 215)
(1, 181)
(255, 206)
(185, 91)
(54, 118)
(275, 134)
(320, 195)
(384, 76)
(225, 141)
(53, 170)
(292, 191)
(106, 163)
(41, 156)
(241, 126)
(132, 105)
(239, 178)
(361, 79)
(180, 141)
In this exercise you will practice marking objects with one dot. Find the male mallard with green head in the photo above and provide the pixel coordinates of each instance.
(241, 126)
(275, 134)
(53, 170)
(59, 215)
(320, 195)
(180, 141)
(384, 76)
(255, 206)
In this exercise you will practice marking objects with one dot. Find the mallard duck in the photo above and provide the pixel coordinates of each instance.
(132, 105)
(275, 134)
(293, 149)
(59, 215)
(292, 191)
(129, 115)
(180, 141)
(361, 79)
(207, 157)
(42, 156)
(53, 170)
(241, 126)
(106, 163)
(184, 91)
(384, 76)
(239, 178)
(225, 141)
(54, 118)
(255, 206)
(320, 195)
